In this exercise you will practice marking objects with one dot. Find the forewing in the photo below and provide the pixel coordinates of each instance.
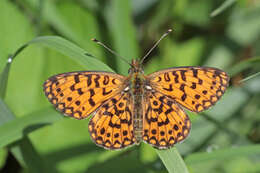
(196, 88)
(164, 122)
(78, 94)
(112, 126)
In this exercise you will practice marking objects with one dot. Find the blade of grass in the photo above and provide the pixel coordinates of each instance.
(5, 73)
(249, 77)
(52, 16)
(123, 32)
(71, 50)
(3, 80)
(22, 150)
(244, 65)
(223, 7)
(172, 160)
(223, 154)
(5, 114)
(13, 134)
(3, 157)
(25, 125)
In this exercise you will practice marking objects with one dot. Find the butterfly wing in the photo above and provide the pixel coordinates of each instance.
(164, 122)
(195, 88)
(112, 125)
(78, 94)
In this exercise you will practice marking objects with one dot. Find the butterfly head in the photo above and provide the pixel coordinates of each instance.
(136, 67)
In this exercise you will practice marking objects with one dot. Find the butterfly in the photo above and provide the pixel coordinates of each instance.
(130, 109)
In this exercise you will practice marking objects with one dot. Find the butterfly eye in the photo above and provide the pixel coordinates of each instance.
(135, 70)
(148, 87)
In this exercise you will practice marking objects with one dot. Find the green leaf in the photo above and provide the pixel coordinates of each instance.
(3, 80)
(172, 160)
(13, 129)
(71, 50)
(25, 125)
(123, 33)
(23, 149)
(5, 73)
(237, 68)
(3, 156)
(54, 18)
(223, 154)
(223, 7)
(250, 77)
(5, 114)
(27, 156)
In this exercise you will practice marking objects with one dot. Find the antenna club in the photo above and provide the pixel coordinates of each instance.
(169, 30)
(94, 39)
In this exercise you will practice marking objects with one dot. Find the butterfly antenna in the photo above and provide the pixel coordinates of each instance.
(110, 50)
(154, 46)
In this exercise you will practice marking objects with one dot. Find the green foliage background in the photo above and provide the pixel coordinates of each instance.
(224, 34)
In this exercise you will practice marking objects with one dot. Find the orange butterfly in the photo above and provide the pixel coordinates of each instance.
(130, 109)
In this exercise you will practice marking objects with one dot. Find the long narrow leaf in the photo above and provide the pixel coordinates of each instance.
(71, 50)
(25, 125)
(123, 32)
(223, 153)
(23, 149)
(172, 160)
(250, 77)
(3, 80)
(5, 73)
(244, 65)
(224, 6)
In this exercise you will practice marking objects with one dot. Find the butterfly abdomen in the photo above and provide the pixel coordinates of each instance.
(137, 92)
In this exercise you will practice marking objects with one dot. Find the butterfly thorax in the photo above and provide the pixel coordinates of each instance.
(137, 91)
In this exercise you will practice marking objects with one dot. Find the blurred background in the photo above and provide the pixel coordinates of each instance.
(219, 33)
